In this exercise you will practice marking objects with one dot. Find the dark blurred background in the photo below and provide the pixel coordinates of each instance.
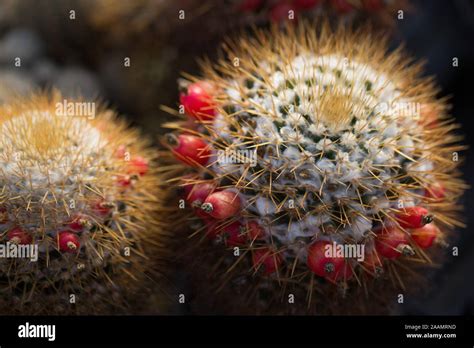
(84, 56)
(438, 31)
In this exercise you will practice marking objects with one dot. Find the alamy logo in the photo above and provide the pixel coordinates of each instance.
(229, 156)
(20, 251)
(348, 251)
(399, 108)
(37, 331)
(76, 109)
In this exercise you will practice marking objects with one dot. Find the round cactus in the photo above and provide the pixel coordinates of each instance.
(319, 159)
(78, 193)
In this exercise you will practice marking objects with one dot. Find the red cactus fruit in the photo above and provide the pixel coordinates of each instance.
(436, 192)
(19, 236)
(222, 204)
(392, 242)
(266, 260)
(138, 165)
(190, 149)
(320, 263)
(425, 236)
(68, 242)
(413, 217)
(198, 102)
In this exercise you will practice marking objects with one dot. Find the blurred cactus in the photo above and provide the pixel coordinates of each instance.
(160, 38)
(81, 187)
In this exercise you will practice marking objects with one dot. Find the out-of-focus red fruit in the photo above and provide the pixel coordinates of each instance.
(342, 6)
(102, 208)
(391, 243)
(425, 236)
(372, 5)
(190, 149)
(232, 234)
(137, 165)
(250, 5)
(18, 236)
(435, 192)
(319, 261)
(198, 101)
(198, 193)
(254, 230)
(413, 217)
(266, 260)
(281, 12)
(124, 180)
(68, 242)
(222, 204)
(305, 4)
(78, 222)
(120, 152)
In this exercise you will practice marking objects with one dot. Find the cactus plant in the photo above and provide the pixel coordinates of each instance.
(79, 187)
(300, 146)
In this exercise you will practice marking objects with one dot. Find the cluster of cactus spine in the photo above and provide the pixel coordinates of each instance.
(339, 158)
(84, 190)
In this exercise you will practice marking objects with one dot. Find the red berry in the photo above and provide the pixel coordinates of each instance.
(435, 192)
(342, 6)
(372, 5)
(425, 236)
(18, 236)
(68, 242)
(305, 4)
(78, 222)
(190, 149)
(233, 233)
(121, 151)
(266, 260)
(102, 208)
(198, 193)
(281, 12)
(138, 165)
(3, 215)
(222, 204)
(198, 102)
(413, 217)
(124, 180)
(392, 242)
(345, 273)
(255, 231)
(250, 5)
(320, 262)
